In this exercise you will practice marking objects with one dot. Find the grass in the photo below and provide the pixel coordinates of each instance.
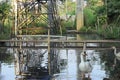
(110, 32)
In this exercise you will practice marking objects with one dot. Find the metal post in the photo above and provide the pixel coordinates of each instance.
(15, 11)
(49, 66)
(17, 66)
(0, 67)
(80, 5)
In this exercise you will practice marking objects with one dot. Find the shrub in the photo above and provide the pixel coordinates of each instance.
(89, 17)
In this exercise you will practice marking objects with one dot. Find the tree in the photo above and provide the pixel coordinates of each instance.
(92, 4)
(113, 9)
(4, 12)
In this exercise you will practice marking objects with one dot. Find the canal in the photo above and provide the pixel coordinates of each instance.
(104, 63)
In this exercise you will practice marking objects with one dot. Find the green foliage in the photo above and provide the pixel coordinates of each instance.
(102, 20)
(86, 29)
(113, 29)
(7, 29)
(4, 10)
(92, 4)
(109, 13)
(40, 24)
(100, 10)
(4, 14)
(68, 8)
(71, 8)
(67, 25)
(89, 17)
(113, 9)
(110, 32)
(4, 36)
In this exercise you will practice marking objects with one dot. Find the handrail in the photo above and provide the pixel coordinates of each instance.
(66, 41)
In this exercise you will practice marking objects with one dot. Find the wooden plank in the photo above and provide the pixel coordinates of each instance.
(33, 28)
(61, 47)
(23, 41)
(87, 41)
(66, 41)
(54, 36)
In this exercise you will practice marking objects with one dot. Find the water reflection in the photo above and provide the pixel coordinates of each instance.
(90, 37)
(112, 65)
(0, 67)
(7, 71)
(71, 72)
(104, 63)
(5, 56)
(98, 72)
(6, 65)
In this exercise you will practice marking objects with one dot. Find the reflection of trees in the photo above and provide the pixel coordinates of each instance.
(0, 69)
(5, 57)
(115, 73)
(112, 68)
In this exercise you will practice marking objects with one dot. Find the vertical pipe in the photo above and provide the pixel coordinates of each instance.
(15, 12)
(49, 66)
(15, 33)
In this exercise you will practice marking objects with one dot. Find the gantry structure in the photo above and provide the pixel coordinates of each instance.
(33, 18)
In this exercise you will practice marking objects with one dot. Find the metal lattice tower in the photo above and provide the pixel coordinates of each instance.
(36, 16)
(31, 18)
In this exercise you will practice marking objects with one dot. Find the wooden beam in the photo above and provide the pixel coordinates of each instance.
(38, 28)
(65, 41)
(61, 47)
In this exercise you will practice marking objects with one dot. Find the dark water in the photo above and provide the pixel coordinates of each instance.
(105, 65)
